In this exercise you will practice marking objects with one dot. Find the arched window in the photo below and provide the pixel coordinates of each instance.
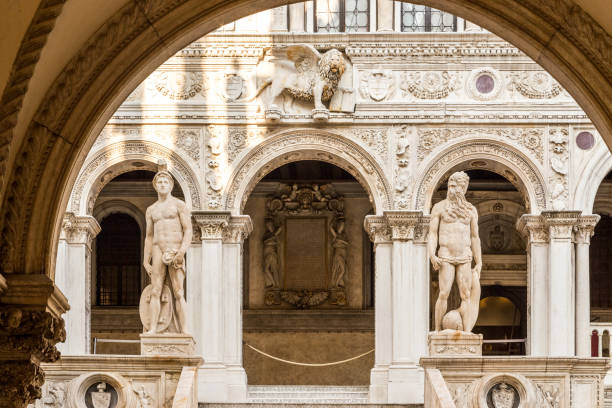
(118, 262)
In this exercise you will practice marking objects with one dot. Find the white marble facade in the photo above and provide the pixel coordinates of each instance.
(422, 106)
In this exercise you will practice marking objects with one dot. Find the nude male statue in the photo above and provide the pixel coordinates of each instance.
(167, 239)
(454, 227)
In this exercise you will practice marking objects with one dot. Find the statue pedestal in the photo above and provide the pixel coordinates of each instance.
(167, 344)
(454, 343)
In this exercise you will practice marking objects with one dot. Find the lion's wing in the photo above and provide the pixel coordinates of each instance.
(304, 56)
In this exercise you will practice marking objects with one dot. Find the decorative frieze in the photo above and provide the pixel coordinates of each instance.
(430, 84)
(179, 85)
(530, 138)
(403, 179)
(534, 84)
(560, 223)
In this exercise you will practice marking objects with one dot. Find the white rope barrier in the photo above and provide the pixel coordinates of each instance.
(308, 364)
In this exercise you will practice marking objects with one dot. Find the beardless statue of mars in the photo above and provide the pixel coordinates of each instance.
(167, 238)
(454, 228)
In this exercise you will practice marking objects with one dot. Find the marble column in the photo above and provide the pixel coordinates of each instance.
(73, 278)
(582, 239)
(380, 234)
(561, 279)
(533, 228)
(385, 15)
(410, 307)
(30, 325)
(214, 298)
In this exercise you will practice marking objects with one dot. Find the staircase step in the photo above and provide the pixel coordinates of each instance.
(306, 396)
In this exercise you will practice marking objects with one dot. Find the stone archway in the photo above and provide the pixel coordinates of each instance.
(124, 157)
(560, 36)
(307, 145)
(498, 157)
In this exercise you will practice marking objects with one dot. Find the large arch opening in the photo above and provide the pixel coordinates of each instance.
(503, 278)
(308, 277)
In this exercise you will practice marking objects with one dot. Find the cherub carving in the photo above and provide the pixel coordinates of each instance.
(301, 73)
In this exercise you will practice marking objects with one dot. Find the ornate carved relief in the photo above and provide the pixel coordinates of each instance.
(179, 85)
(469, 150)
(484, 84)
(548, 395)
(559, 163)
(429, 85)
(317, 212)
(534, 84)
(211, 225)
(585, 229)
(403, 180)
(126, 151)
(79, 230)
(230, 86)
(377, 84)
(533, 228)
(186, 139)
(560, 224)
(264, 158)
(375, 139)
(529, 138)
(378, 229)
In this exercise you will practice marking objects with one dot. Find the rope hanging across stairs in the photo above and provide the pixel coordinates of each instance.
(308, 364)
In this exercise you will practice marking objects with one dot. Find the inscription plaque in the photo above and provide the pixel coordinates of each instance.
(305, 253)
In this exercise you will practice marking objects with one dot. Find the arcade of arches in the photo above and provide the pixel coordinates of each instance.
(340, 196)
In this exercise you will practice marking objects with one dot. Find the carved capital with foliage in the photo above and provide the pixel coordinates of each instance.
(210, 225)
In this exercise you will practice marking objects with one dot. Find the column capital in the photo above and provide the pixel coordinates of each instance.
(405, 225)
(560, 223)
(210, 224)
(377, 229)
(533, 228)
(585, 228)
(79, 229)
(238, 228)
(30, 326)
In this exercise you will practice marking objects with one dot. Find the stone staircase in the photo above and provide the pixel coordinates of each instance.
(305, 396)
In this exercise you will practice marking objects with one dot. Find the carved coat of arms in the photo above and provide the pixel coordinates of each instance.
(502, 396)
(101, 398)
(231, 86)
(378, 85)
(496, 238)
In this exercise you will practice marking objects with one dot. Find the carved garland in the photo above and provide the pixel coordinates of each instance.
(121, 150)
(266, 158)
(471, 150)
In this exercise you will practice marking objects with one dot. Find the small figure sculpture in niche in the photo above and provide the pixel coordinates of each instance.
(270, 252)
(168, 235)
(454, 227)
(339, 255)
(301, 73)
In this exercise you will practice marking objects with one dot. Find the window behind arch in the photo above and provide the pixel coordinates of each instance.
(418, 18)
(118, 262)
(333, 16)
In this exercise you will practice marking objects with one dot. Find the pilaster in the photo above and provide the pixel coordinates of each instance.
(583, 232)
(533, 228)
(561, 278)
(409, 293)
(385, 15)
(215, 304)
(73, 278)
(380, 233)
(30, 326)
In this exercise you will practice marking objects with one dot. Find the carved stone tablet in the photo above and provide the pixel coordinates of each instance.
(306, 253)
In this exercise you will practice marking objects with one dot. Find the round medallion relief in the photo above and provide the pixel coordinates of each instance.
(585, 140)
(101, 395)
(485, 84)
(503, 395)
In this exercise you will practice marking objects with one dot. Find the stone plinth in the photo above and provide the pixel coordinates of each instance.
(167, 344)
(454, 343)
